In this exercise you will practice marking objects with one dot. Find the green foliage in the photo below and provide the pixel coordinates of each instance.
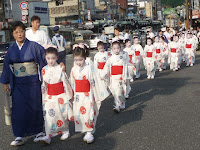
(172, 3)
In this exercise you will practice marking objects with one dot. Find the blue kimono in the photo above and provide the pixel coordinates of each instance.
(27, 114)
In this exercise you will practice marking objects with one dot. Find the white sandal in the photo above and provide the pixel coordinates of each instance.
(38, 137)
(18, 141)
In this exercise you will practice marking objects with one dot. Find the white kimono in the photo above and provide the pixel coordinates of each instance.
(165, 51)
(174, 54)
(89, 92)
(159, 55)
(129, 54)
(190, 51)
(56, 93)
(196, 42)
(150, 59)
(100, 60)
(137, 57)
(116, 68)
(182, 48)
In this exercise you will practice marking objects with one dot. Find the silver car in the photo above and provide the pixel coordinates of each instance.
(94, 39)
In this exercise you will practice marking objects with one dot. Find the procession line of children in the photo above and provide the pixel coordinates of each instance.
(79, 98)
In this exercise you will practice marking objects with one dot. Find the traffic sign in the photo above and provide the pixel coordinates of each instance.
(23, 5)
(23, 18)
(25, 12)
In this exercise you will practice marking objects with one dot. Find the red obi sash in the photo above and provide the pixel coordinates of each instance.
(137, 53)
(158, 51)
(188, 45)
(130, 56)
(173, 50)
(149, 54)
(55, 89)
(101, 65)
(117, 70)
(82, 86)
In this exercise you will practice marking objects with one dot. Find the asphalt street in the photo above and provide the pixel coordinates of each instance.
(161, 114)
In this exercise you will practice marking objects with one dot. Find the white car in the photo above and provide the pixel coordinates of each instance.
(94, 39)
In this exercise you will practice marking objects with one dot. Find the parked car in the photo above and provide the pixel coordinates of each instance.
(94, 39)
(3, 50)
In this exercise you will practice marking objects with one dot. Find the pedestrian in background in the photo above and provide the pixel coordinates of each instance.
(104, 38)
(36, 34)
(60, 42)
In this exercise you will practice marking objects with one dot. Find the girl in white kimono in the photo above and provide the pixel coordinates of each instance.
(56, 93)
(174, 52)
(101, 57)
(88, 93)
(196, 42)
(165, 51)
(189, 50)
(117, 69)
(159, 53)
(137, 56)
(182, 43)
(150, 59)
(128, 60)
(130, 52)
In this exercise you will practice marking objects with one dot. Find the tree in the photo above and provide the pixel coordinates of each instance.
(172, 3)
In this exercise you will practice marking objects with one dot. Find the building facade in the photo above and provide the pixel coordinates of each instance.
(64, 13)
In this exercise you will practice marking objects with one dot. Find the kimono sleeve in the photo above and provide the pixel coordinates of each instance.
(39, 55)
(169, 54)
(67, 86)
(95, 62)
(44, 88)
(106, 70)
(98, 86)
(72, 80)
(5, 76)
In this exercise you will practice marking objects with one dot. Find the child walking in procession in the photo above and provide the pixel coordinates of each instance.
(56, 95)
(182, 45)
(174, 52)
(165, 51)
(150, 59)
(117, 69)
(137, 56)
(88, 94)
(130, 52)
(101, 57)
(190, 50)
(159, 53)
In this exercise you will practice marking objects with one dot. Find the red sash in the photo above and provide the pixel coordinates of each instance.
(117, 70)
(173, 50)
(137, 53)
(149, 54)
(158, 51)
(82, 86)
(101, 65)
(130, 56)
(55, 89)
(188, 45)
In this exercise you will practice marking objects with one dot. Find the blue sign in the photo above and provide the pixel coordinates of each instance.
(79, 20)
(41, 10)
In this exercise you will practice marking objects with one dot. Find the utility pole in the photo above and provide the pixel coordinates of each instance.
(187, 13)
(79, 16)
(112, 7)
(190, 12)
